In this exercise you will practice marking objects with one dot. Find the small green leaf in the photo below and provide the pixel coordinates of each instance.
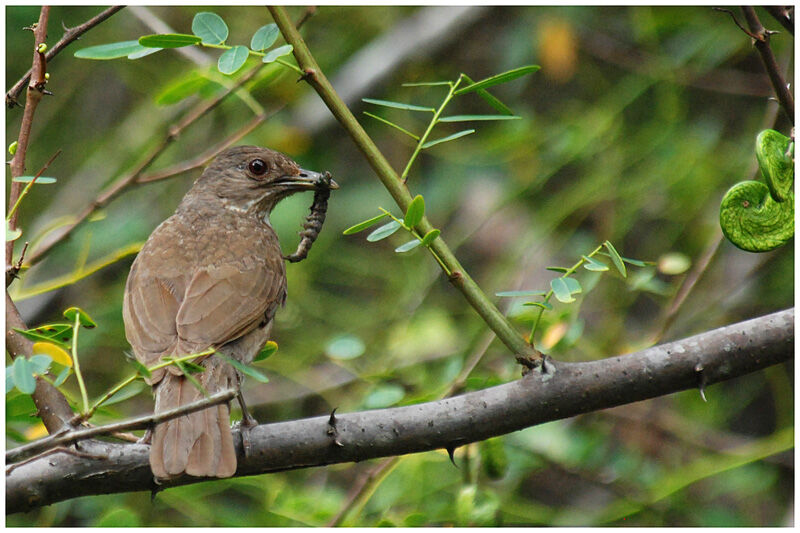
(41, 180)
(392, 124)
(561, 290)
(109, 51)
(427, 83)
(210, 28)
(264, 37)
(573, 285)
(143, 52)
(40, 363)
(192, 368)
(448, 138)
(276, 53)
(244, 369)
(12, 148)
(407, 247)
(345, 346)
(269, 348)
(616, 259)
(168, 40)
(361, 226)
(12, 234)
(430, 237)
(23, 376)
(384, 231)
(84, 319)
(232, 60)
(544, 305)
(62, 376)
(514, 294)
(415, 212)
(638, 263)
(59, 334)
(563, 270)
(498, 79)
(140, 368)
(398, 105)
(499, 106)
(128, 391)
(593, 264)
(187, 373)
(467, 118)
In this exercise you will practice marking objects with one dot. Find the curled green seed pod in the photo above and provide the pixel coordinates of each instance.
(12, 148)
(42, 48)
(752, 220)
(777, 167)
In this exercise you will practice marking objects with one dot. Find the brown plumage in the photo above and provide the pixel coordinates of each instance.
(210, 276)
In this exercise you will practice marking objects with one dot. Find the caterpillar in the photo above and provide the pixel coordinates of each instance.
(313, 223)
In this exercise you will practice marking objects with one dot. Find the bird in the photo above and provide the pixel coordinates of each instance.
(211, 276)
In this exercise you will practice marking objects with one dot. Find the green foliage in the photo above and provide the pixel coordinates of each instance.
(758, 217)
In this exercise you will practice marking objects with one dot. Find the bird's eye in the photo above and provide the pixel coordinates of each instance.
(258, 167)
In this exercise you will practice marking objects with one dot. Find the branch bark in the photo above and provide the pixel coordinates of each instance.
(561, 390)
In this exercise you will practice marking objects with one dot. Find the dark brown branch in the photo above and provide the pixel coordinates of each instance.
(70, 35)
(564, 390)
(53, 408)
(67, 437)
(761, 42)
(34, 96)
(784, 15)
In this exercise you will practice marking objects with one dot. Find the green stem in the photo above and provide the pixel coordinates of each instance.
(434, 121)
(76, 365)
(252, 53)
(395, 186)
(549, 294)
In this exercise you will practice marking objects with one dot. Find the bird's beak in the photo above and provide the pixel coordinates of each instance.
(309, 180)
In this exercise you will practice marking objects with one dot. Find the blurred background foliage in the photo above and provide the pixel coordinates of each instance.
(639, 121)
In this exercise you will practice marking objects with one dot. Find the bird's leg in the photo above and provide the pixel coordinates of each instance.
(247, 423)
(315, 219)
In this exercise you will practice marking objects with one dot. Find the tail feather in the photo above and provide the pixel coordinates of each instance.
(199, 444)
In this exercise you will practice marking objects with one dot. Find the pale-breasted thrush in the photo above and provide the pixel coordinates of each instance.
(210, 276)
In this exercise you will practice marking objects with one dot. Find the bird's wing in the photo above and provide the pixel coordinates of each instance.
(149, 309)
(224, 302)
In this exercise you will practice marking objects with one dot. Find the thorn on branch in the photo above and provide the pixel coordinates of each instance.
(308, 73)
(450, 451)
(702, 380)
(333, 431)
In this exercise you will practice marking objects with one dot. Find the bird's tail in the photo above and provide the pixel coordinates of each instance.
(199, 444)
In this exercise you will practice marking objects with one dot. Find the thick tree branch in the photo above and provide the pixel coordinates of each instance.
(70, 34)
(560, 391)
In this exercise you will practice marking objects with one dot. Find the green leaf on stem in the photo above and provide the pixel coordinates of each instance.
(384, 231)
(544, 305)
(415, 212)
(168, 40)
(12, 234)
(276, 53)
(62, 376)
(616, 259)
(361, 226)
(40, 363)
(563, 270)
(398, 105)
(140, 368)
(514, 294)
(83, 318)
(573, 285)
(244, 369)
(499, 106)
(497, 79)
(23, 375)
(448, 138)
(187, 373)
(269, 348)
(467, 118)
(232, 60)
(561, 290)
(210, 28)
(264, 37)
(128, 391)
(407, 247)
(59, 334)
(427, 84)
(638, 263)
(430, 237)
(143, 52)
(593, 264)
(110, 50)
(41, 180)
(392, 124)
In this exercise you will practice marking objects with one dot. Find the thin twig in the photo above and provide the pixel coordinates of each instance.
(142, 422)
(761, 43)
(70, 34)
(34, 96)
